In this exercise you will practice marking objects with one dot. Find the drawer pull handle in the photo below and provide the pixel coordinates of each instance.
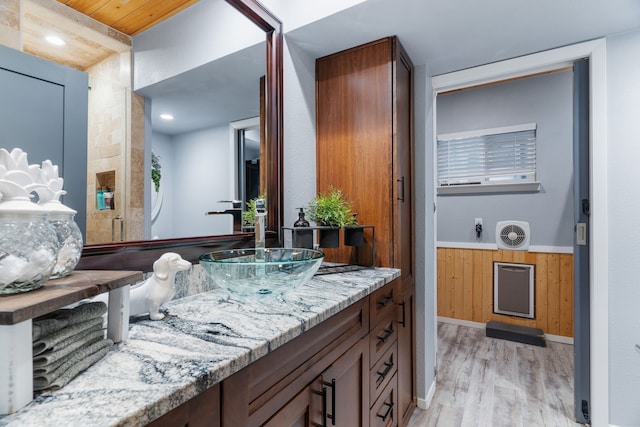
(387, 369)
(332, 416)
(385, 301)
(323, 393)
(386, 414)
(404, 314)
(386, 335)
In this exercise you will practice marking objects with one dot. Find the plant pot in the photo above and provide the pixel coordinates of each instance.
(302, 238)
(329, 237)
(354, 235)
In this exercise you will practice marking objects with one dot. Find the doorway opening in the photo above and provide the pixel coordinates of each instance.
(544, 62)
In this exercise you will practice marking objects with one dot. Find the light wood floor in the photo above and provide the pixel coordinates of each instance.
(491, 382)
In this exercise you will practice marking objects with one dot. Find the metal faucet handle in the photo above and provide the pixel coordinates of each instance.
(235, 203)
(260, 206)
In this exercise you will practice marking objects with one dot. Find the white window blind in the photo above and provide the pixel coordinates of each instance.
(488, 156)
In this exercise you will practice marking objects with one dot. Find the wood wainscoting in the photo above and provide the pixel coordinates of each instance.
(465, 287)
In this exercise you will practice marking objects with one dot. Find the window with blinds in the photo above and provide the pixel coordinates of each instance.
(488, 157)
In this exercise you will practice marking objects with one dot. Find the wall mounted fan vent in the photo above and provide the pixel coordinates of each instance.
(513, 235)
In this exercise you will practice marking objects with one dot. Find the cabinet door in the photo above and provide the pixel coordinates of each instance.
(403, 227)
(406, 356)
(354, 141)
(347, 384)
(43, 111)
(304, 410)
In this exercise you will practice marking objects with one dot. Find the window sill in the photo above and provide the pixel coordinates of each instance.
(518, 187)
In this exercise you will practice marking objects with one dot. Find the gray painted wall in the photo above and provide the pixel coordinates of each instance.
(426, 325)
(162, 225)
(196, 171)
(545, 100)
(623, 91)
(200, 34)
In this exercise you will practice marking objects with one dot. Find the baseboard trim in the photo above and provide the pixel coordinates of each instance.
(559, 338)
(426, 402)
(478, 325)
(461, 322)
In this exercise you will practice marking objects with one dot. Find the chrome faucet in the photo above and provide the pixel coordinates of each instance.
(235, 211)
(261, 217)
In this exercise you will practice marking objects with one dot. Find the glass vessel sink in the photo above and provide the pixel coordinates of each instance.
(261, 271)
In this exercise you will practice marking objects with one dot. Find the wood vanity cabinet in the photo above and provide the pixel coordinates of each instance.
(364, 146)
(323, 372)
(201, 411)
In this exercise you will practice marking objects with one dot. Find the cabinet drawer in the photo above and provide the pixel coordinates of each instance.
(382, 302)
(382, 337)
(384, 412)
(382, 372)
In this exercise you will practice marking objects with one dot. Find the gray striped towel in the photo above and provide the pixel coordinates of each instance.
(49, 360)
(66, 336)
(62, 318)
(80, 360)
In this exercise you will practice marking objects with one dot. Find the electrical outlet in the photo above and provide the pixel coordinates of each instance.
(478, 221)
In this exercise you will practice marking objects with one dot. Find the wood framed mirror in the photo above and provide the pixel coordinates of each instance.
(140, 255)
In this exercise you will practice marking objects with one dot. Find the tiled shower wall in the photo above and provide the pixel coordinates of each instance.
(115, 144)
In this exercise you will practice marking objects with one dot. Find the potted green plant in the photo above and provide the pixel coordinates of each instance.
(156, 167)
(333, 211)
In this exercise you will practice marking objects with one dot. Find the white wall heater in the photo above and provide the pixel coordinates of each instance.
(514, 289)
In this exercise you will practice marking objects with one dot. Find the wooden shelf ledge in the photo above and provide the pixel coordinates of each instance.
(58, 293)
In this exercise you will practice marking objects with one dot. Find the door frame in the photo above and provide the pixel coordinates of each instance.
(595, 50)
(234, 127)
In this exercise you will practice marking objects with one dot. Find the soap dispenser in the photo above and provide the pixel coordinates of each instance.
(301, 222)
(302, 234)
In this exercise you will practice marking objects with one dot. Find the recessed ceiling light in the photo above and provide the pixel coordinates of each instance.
(166, 116)
(55, 40)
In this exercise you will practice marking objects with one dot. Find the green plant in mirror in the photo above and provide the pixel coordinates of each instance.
(156, 167)
(331, 209)
(249, 215)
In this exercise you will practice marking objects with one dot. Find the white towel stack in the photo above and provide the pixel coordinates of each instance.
(66, 342)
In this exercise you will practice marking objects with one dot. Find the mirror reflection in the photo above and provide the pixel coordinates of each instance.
(204, 128)
(202, 152)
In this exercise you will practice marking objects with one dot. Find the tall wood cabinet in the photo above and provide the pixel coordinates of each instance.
(364, 146)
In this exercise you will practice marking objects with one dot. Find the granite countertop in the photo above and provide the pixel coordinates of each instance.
(206, 338)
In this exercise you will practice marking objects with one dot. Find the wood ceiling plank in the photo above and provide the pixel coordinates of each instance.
(115, 10)
(146, 17)
(129, 16)
(87, 7)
